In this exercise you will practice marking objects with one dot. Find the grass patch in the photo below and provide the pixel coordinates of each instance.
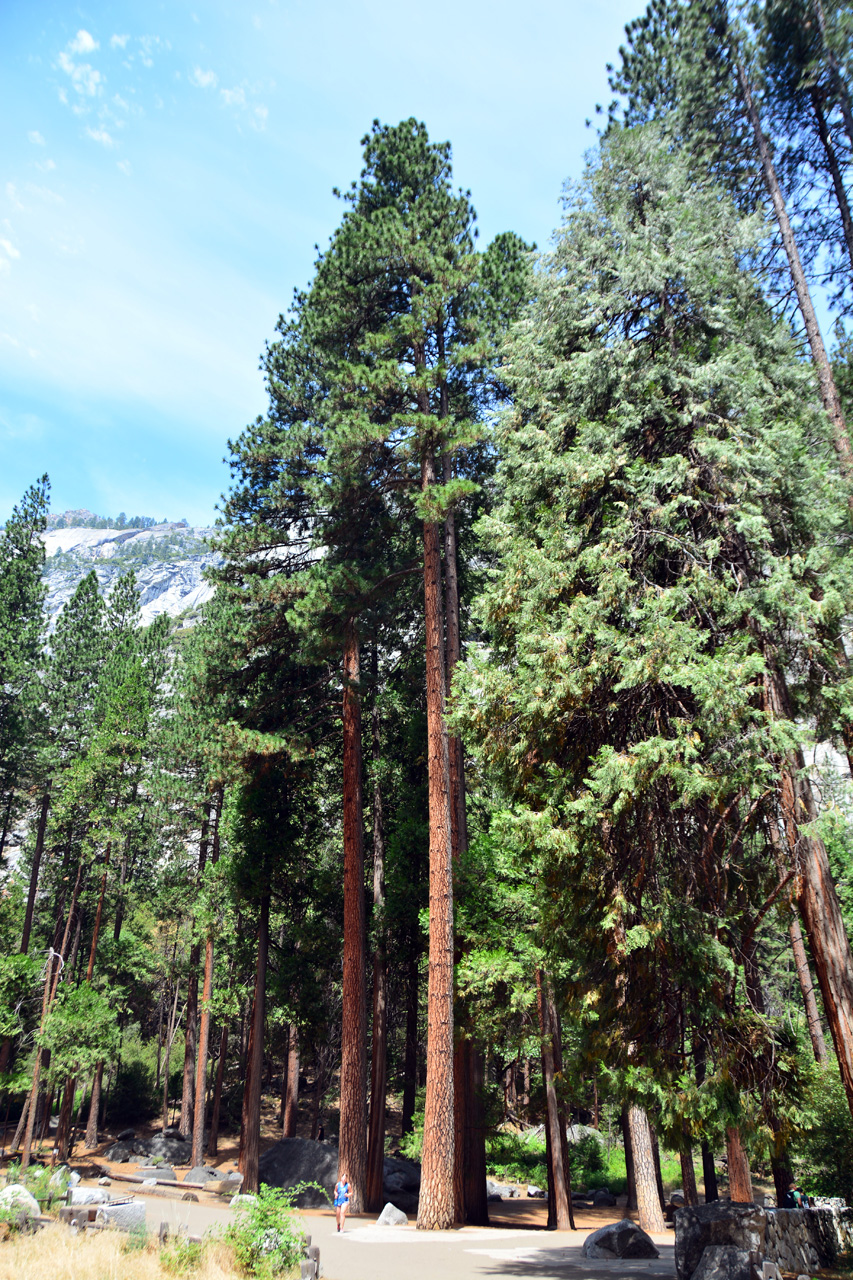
(56, 1254)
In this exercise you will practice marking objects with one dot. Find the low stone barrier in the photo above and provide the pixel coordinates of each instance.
(798, 1240)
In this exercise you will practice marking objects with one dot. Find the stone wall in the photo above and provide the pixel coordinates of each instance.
(798, 1240)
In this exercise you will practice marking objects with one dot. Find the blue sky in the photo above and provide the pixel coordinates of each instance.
(167, 170)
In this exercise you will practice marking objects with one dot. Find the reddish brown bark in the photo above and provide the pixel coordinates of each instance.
(353, 1115)
(436, 1206)
(188, 1089)
(213, 1139)
(688, 1176)
(204, 1022)
(629, 1161)
(648, 1201)
(740, 1179)
(254, 1069)
(91, 1139)
(804, 977)
(560, 1201)
(379, 1038)
(290, 1099)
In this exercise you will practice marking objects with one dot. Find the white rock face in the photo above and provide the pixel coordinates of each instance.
(169, 561)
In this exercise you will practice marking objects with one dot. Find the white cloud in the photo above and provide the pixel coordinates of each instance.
(233, 97)
(84, 77)
(9, 249)
(120, 102)
(12, 195)
(204, 79)
(63, 97)
(33, 311)
(83, 43)
(36, 138)
(100, 135)
(118, 42)
(46, 166)
(44, 193)
(124, 165)
(260, 120)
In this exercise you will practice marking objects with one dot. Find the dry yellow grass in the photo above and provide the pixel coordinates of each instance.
(56, 1254)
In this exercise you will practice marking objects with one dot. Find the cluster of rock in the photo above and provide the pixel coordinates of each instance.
(619, 1240)
(168, 1147)
(725, 1241)
(299, 1160)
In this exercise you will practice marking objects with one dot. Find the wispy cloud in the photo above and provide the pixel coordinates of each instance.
(83, 43)
(36, 138)
(233, 97)
(84, 77)
(118, 42)
(260, 117)
(124, 165)
(100, 135)
(203, 79)
(45, 166)
(9, 249)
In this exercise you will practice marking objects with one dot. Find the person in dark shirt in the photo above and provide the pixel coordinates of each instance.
(795, 1198)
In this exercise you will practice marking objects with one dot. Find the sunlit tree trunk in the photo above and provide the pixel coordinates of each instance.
(379, 1038)
(191, 1024)
(648, 1200)
(252, 1129)
(740, 1180)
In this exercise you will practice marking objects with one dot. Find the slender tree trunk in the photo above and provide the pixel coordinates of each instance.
(435, 1205)
(656, 1159)
(740, 1181)
(213, 1139)
(410, 1053)
(688, 1176)
(254, 1073)
(203, 1047)
(379, 1044)
(834, 169)
(561, 1199)
(709, 1174)
(353, 1119)
(562, 1118)
(34, 873)
(188, 1090)
(835, 73)
(629, 1161)
(648, 1200)
(804, 976)
(828, 390)
(291, 1092)
(63, 1128)
(94, 1109)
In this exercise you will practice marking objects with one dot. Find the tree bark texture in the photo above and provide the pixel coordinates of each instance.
(629, 1161)
(709, 1174)
(91, 1139)
(561, 1199)
(436, 1202)
(804, 977)
(834, 169)
(290, 1111)
(835, 73)
(740, 1180)
(34, 873)
(379, 1038)
(203, 1047)
(353, 1119)
(254, 1073)
(213, 1138)
(648, 1201)
(826, 382)
(688, 1176)
(188, 1089)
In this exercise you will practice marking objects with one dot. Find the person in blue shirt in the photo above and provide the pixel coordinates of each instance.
(342, 1190)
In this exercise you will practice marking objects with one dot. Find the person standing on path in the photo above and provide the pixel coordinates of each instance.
(341, 1200)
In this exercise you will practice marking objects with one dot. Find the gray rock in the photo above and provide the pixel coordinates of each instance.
(295, 1160)
(105, 1182)
(677, 1198)
(603, 1199)
(391, 1216)
(164, 1171)
(19, 1200)
(495, 1190)
(720, 1223)
(88, 1195)
(574, 1133)
(201, 1173)
(126, 1135)
(535, 1193)
(120, 1152)
(619, 1240)
(242, 1202)
(125, 1216)
(149, 1182)
(59, 1178)
(723, 1262)
(73, 1179)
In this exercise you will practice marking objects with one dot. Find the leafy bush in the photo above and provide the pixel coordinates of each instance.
(510, 1157)
(182, 1257)
(823, 1154)
(266, 1239)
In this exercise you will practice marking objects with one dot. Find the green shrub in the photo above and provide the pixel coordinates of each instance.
(823, 1154)
(181, 1257)
(267, 1242)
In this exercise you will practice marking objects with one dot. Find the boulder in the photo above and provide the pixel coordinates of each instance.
(242, 1201)
(574, 1133)
(603, 1199)
(149, 1182)
(120, 1152)
(619, 1240)
(126, 1135)
(105, 1182)
(677, 1199)
(391, 1216)
(168, 1146)
(17, 1199)
(201, 1173)
(496, 1190)
(164, 1171)
(88, 1195)
(128, 1215)
(535, 1193)
(698, 1227)
(295, 1160)
(723, 1262)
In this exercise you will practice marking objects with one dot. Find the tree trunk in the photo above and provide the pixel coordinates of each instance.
(353, 1118)
(435, 1205)
(817, 897)
(561, 1199)
(834, 169)
(34, 873)
(629, 1161)
(835, 73)
(709, 1174)
(740, 1181)
(656, 1159)
(188, 1090)
(213, 1139)
(826, 382)
(254, 1070)
(379, 1043)
(203, 1047)
(804, 976)
(688, 1176)
(291, 1092)
(94, 1109)
(476, 1203)
(410, 1054)
(63, 1128)
(648, 1200)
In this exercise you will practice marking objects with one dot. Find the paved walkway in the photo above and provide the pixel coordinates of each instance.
(368, 1252)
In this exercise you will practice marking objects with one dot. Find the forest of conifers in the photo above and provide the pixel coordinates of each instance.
(506, 778)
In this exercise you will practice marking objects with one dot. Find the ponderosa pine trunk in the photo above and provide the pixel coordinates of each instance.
(34, 873)
(188, 1089)
(204, 1019)
(216, 1105)
(91, 1139)
(648, 1201)
(436, 1202)
(835, 73)
(740, 1179)
(562, 1118)
(818, 902)
(290, 1109)
(379, 1037)
(828, 390)
(629, 1161)
(560, 1202)
(688, 1176)
(353, 1115)
(709, 1174)
(804, 977)
(254, 1068)
(834, 169)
